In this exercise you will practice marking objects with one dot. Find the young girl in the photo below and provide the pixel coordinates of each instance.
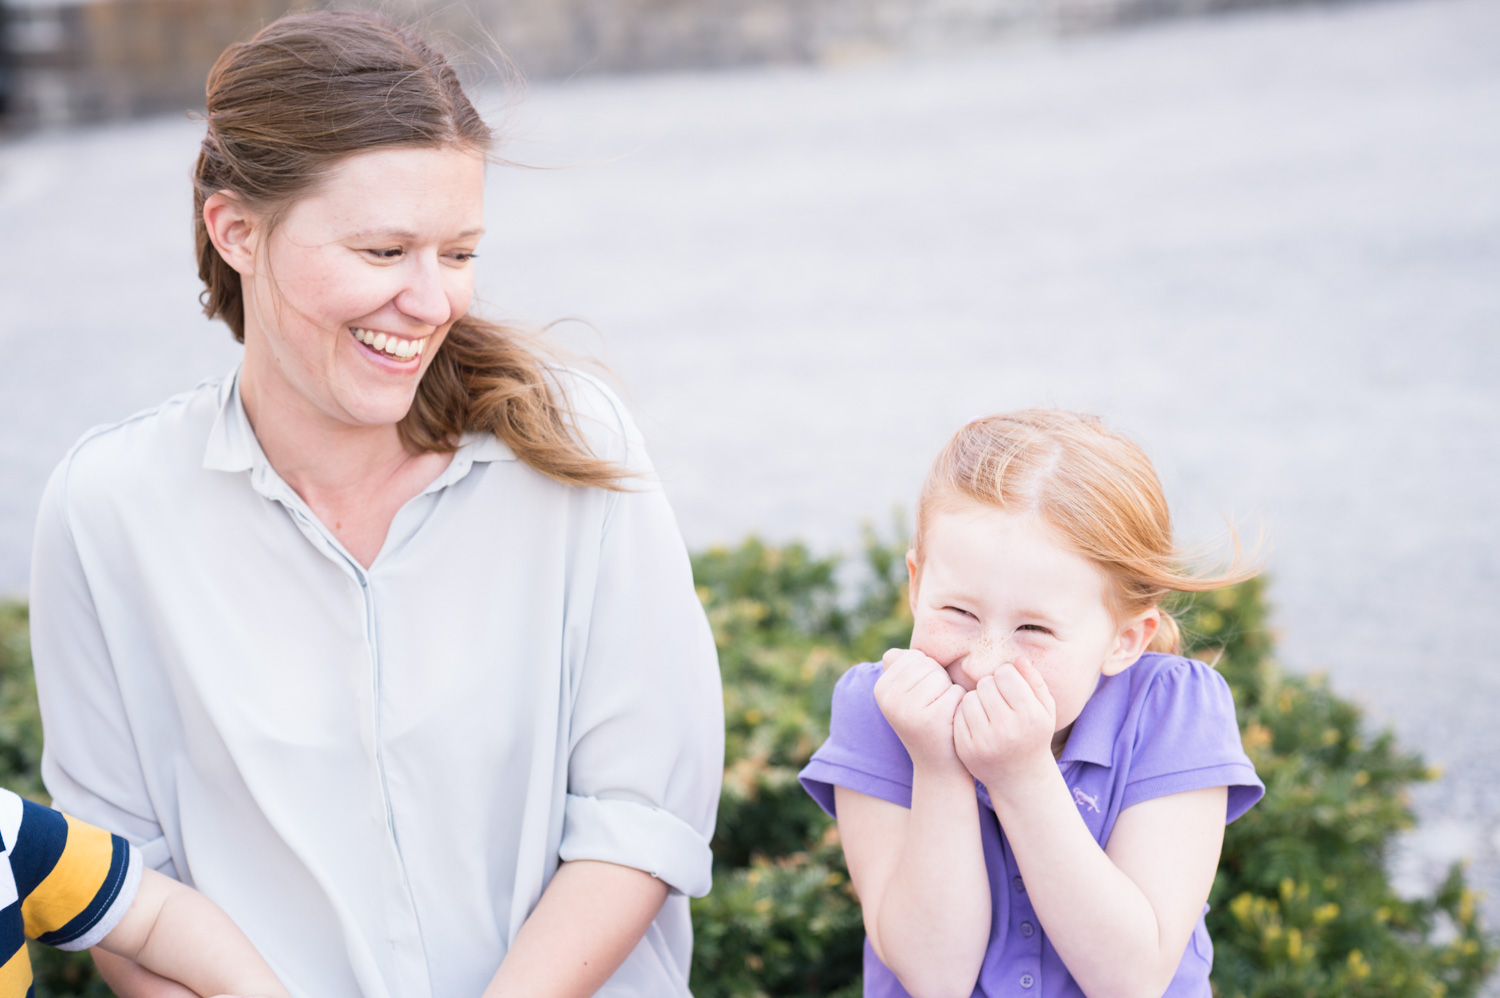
(1033, 796)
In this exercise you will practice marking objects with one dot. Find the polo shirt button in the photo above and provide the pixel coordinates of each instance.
(1020, 887)
(1027, 980)
(1028, 930)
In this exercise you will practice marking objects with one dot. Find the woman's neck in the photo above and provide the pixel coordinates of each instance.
(353, 478)
(311, 449)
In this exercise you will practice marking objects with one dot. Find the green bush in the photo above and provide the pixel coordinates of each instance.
(55, 972)
(1302, 907)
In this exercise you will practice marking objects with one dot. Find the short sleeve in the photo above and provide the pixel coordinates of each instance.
(647, 727)
(1187, 739)
(863, 752)
(89, 760)
(75, 881)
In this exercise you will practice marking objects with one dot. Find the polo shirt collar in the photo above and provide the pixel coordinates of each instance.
(1093, 736)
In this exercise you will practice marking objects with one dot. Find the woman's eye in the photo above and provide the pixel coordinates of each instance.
(464, 256)
(386, 254)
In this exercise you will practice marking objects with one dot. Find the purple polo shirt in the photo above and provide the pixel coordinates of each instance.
(1163, 726)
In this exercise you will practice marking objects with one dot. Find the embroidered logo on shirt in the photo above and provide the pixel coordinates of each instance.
(1080, 798)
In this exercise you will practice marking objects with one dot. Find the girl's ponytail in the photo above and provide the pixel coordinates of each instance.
(1168, 639)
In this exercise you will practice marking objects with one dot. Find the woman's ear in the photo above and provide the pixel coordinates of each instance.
(233, 229)
(1132, 641)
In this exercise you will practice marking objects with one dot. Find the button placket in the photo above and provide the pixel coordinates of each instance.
(1023, 922)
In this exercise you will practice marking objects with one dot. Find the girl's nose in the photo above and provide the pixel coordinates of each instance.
(983, 659)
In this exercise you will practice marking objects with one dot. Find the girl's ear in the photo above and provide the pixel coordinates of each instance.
(233, 229)
(1132, 641)
(913, 570)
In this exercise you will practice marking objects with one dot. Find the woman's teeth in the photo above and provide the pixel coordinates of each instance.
(392, 346)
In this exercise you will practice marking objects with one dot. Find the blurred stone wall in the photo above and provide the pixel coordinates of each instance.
(559, 37)
(67, 61)
(71, 61)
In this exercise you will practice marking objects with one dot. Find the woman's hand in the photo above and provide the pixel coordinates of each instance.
(919, 700)
(1003, 729)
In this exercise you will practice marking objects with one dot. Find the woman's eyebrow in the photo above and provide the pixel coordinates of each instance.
(407, 234)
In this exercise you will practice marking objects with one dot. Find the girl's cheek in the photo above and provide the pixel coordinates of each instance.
(939, 641)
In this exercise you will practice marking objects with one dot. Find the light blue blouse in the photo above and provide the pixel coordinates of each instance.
(376, 772)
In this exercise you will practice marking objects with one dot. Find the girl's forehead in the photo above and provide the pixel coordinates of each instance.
(995, 550)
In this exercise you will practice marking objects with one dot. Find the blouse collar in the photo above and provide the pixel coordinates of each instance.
(232, 445)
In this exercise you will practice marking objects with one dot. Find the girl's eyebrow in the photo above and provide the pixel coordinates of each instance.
(1032, 614)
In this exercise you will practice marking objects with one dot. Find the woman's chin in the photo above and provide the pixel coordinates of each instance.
(376, 408)
(371, 397)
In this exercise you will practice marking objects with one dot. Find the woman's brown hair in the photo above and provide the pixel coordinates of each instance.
(284, 109)
(1095, 487)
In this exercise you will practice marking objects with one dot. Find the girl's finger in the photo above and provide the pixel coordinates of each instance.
(974, 707)
(897, 672)
(1037, 683)
(962, 736)
(930, 687)
(1018, 693)
(996, 701)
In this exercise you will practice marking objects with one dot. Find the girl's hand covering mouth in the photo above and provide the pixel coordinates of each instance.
(1004, 727)
(919, 700)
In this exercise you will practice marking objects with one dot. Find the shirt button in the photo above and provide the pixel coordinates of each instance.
(1027, 980)
(1028, 930)
(1020, 887)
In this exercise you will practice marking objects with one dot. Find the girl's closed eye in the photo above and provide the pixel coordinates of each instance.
(961, 610)
(1036, 628)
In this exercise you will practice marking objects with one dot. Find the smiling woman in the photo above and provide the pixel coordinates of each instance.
(346, 301)
(387, 641)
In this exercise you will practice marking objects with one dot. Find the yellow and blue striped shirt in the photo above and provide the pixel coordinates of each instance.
(62, 882)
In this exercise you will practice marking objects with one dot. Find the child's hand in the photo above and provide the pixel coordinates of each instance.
(1003, 729)
(919, 700)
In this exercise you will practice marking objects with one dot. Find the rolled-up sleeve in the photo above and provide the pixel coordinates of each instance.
(647, 733)
(89, 761)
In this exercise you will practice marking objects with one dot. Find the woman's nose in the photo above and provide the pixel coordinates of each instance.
(424, 298)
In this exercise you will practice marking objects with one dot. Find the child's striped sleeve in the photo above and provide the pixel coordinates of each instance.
(64, 883)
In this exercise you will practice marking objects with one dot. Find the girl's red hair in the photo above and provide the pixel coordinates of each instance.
(1095, 487)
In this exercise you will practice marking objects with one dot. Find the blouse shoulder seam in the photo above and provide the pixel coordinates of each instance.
(104, 429)
(65, 467)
